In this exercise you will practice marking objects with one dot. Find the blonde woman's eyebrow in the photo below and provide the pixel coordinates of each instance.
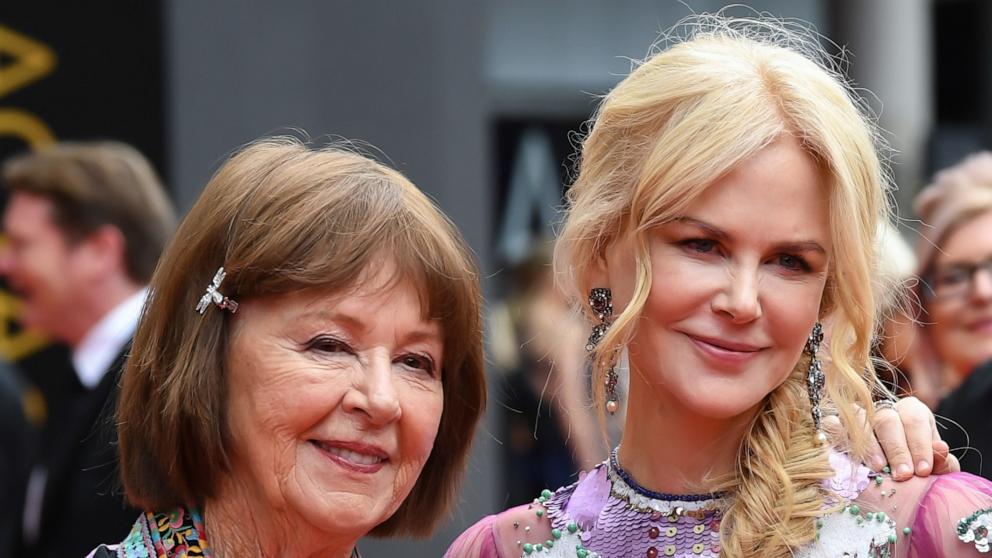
(720, 234)
(712, 230)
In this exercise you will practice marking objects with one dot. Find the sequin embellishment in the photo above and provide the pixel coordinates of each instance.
(975, 529)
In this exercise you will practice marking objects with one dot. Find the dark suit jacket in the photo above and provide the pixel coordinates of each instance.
(15, 441)
(970, 405)
(83, 504)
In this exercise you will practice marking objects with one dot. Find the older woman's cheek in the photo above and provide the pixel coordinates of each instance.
(418, 429)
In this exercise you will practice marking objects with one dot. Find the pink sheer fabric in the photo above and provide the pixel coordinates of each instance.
(478, 541)
(929, 507)
(932, 508)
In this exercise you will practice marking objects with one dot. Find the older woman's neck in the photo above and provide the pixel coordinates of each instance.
(669, 449)
(238, 525)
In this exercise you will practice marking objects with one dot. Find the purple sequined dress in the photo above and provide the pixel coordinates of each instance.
(606, 514)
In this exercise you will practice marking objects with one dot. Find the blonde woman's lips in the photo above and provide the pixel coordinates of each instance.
(725, 351)
(353, 456)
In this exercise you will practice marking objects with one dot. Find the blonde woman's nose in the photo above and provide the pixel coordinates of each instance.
(739, 300)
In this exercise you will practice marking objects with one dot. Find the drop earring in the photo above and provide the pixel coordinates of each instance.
(601, 302)
(815, 380)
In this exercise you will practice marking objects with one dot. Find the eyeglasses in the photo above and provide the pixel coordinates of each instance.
(954, 281)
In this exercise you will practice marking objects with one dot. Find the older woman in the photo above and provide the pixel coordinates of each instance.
(954, 255)
(955, 356)
(728, 200)
(309, 367)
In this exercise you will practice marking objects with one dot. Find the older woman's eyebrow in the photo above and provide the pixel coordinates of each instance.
(720, 234)
(429, 332)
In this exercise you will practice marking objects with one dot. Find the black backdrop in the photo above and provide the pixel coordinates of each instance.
(75, 71)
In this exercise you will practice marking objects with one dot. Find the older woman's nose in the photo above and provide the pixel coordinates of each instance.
(738, 300)
(377, 396)
(981, 288)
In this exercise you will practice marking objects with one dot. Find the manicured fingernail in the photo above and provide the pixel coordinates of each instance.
(922, 466)
(904, 470)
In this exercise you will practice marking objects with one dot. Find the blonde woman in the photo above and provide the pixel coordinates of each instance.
(728, 200)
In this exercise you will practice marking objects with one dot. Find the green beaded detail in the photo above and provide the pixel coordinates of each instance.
(572, 527)
(906, 531)
(528, 548)
(556, 533)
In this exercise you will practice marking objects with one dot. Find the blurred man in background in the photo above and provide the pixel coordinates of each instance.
(85, 224)
(15, 438)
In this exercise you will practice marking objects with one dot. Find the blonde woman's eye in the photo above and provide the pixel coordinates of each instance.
(794, 263)
(701, 245)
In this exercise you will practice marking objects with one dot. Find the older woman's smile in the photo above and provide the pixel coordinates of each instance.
(354, 456)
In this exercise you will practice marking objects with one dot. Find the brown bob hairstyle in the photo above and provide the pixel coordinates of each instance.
(280, 216)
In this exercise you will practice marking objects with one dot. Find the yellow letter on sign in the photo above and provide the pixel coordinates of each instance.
(32, 60)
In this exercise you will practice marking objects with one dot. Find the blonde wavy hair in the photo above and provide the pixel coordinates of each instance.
(682, 119)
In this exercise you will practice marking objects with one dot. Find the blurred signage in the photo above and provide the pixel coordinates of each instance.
(74, 71)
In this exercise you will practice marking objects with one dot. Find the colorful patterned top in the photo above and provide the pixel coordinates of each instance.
(606, 514)
(176, 534)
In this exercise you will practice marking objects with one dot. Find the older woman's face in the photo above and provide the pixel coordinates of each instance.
(736, 286)
(961, 310)
(335, 401)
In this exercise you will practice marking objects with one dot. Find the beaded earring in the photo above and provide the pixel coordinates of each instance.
(815, 379)
(601, 302)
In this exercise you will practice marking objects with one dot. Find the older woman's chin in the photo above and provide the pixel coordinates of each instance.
(342, 502)
(343, 512)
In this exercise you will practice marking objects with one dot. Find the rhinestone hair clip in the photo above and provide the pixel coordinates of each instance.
(215, 296)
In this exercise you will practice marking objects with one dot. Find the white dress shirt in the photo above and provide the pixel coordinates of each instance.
(91, 358)
(104, 341)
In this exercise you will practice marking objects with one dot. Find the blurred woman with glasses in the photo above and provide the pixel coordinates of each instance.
(955, 338)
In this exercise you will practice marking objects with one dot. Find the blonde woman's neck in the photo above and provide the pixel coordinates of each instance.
(668, 449)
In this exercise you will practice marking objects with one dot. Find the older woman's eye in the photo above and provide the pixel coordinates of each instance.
(953, 277)
(328, 344)
(418, 362)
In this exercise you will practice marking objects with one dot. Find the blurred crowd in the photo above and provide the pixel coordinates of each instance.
(84, 225)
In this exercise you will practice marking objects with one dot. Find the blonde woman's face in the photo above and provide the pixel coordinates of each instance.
(961, 311)
(335, 401)
(737, 283)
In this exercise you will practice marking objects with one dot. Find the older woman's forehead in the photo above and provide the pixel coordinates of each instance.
(363, 306)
